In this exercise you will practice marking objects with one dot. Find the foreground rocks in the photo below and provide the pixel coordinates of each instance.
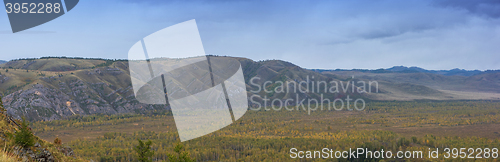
(39, 155)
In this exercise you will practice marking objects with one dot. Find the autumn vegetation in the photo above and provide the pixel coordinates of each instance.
(269, 135)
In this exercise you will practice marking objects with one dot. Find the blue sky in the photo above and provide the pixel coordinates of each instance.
(369, 34)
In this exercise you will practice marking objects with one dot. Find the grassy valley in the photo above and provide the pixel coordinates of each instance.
(269, 135)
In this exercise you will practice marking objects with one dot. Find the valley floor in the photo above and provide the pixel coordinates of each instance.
(269, 135)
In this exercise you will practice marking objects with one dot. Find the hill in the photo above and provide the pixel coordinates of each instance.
(55, 88)
(51, 88)
(41, 151)
(3, 62)
(57, 64)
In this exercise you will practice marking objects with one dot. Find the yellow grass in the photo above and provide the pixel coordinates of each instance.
(4, 157)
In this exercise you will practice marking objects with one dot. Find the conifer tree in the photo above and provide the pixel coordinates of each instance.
(144, 152)
(181, 155)
(23, 136)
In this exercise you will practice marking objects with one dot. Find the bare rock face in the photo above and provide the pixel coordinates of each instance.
(3, 78)
(39, 102)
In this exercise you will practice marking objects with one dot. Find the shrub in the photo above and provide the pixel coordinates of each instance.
(57, 141)
(109, 135)
(23, 136)
(414, 139)
(2, 110)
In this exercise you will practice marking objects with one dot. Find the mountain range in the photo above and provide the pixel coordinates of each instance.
(413, 69)
(56, 87)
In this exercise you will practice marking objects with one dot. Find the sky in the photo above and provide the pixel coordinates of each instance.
(364, 34)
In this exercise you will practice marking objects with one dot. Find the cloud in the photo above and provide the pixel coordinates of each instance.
(490, 8)
(313, 34)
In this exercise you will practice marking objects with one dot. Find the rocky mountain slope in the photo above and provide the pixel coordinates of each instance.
(53, 88)
(56, 88)
(40, 151)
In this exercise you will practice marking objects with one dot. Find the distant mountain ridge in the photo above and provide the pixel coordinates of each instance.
(3, 62)
(414, 69)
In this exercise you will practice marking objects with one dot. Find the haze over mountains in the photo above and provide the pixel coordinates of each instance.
(52, 88)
